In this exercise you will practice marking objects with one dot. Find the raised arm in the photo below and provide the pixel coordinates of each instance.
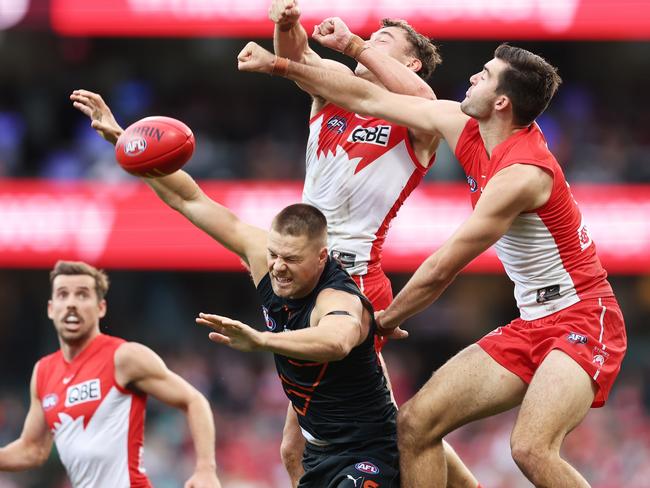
(139, 368)
(438, 117)
(395, 76)
(33, 446)
(513, 190)
(330, 338)
(180, 192)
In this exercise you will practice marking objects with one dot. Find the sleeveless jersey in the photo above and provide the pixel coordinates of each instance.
(359, 172)
(98, 426)
(548, 253)
(337, 402)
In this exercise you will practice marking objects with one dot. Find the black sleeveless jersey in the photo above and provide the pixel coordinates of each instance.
(338, 402)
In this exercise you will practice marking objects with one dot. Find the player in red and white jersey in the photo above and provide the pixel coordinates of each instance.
(562, 355)
(360, 170)
(89, 397)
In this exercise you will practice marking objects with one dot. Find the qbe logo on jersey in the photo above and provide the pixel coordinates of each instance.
(88, 391)
(371, 135)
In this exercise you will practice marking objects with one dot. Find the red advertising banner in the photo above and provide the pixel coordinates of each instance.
(126, 226)
(442, 19)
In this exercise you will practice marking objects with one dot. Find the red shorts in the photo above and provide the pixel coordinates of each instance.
(377, 288)
(591, 332)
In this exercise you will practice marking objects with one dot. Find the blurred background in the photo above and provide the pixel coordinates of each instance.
(62, 196)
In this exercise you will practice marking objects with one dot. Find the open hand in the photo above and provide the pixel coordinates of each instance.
(232, 333)
(101, 118)
(387, 330)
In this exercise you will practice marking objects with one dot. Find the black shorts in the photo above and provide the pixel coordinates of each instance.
(349, 470)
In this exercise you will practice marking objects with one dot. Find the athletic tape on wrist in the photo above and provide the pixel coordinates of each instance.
(280, 66)
(355, 47)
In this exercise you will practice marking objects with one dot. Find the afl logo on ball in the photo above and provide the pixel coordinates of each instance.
(133, 147)
(367, 468)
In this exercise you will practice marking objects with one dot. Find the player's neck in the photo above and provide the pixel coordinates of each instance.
(495, 131)
(71, 350)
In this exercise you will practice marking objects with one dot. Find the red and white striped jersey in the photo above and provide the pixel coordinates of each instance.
(98, 426)
(359, 172)
(548, 253)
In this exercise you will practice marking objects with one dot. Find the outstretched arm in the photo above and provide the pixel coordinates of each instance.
(513, 190)
(33, 446)
(438, 117)
(182, 193)
(139, 368)
(330, 338)
(290, 41)
(395, 76)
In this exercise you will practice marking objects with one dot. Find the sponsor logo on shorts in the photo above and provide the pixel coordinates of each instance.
(50, 401)
(337, 124)
(270, 323)
(576, 338)
(599, 356)
(354, 480)
(367, 467)
(88, 391)
(473, 186)
(134, 147)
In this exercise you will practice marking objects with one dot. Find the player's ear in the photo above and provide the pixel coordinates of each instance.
(102, 309)
(322, 255)
(501, 103)
(49, 310)
(414, 65)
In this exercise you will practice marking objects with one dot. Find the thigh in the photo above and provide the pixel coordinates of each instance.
(470, 386)
(558, 398)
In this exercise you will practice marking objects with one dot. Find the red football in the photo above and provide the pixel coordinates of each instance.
(155, 146)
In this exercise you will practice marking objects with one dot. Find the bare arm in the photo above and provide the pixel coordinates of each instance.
(33, 446)
(139, 368)
(330, 339)
(290, 40)
(391, 73)
(180, 192)
(438, 117)
(513, 190)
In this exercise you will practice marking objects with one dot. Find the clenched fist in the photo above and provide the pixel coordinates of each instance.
(332, 33)
(256, 59)
(285, 13)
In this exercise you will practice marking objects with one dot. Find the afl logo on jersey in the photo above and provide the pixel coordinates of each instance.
(50, 401)
(473, 186)
(270, 323)
(337, 124)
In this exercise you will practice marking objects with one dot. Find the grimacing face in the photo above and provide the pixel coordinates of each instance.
(294, 263)
(481, 96)
(74, 308)
(391, 41)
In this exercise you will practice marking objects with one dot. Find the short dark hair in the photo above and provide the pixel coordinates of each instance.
(421, 47)
(80, 268)
(301, 219)
(529, 82)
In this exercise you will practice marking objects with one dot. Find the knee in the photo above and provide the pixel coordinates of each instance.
(529, 454)
(415, 426)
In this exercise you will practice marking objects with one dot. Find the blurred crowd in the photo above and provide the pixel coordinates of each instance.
(611, 447)
(250, 126)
